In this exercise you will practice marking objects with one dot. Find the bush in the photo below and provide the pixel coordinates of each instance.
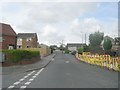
(18, 55)
(80, 50)
(96, 49)
(107, 45)
(66, 51)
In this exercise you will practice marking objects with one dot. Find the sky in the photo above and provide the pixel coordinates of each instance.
(57, 20)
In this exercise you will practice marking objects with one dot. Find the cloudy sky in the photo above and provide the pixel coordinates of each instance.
(54, 21)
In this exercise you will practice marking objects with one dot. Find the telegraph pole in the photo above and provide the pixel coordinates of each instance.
(62, 45)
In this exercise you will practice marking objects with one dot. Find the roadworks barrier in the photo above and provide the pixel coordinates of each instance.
(105, 61)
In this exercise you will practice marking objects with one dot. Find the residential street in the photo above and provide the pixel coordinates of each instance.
(60, 44)
(64, 71)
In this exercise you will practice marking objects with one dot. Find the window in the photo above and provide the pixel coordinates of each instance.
(28, 39)
(10, 46)
(19, 39)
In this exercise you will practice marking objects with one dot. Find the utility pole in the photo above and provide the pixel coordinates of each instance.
(62, 45)
(82, 39)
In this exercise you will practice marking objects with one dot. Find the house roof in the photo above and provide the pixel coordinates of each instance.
(117, 39)
(6, 29)
(26, 35)
(75, 44)
(108, 37)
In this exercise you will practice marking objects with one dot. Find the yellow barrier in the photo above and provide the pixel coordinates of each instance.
(100, 60)
(116, 63)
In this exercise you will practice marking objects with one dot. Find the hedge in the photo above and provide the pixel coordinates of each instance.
(18, 55)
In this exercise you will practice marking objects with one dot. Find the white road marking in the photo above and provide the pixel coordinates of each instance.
(27, 83)
(21, 80)
(38, 73)
(16, 83)
(11, 87)
(29, 74)
(34, 76)
(53, 59)
(31, 79)
(41, 70)
(32, 72)
(23, 87)
(67, 61)
(25, 77)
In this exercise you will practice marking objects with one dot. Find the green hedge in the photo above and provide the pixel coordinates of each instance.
(18, 55)
(66, 51)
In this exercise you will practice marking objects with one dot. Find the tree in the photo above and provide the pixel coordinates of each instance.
(96, 38)
(107, 44)
(95, 41)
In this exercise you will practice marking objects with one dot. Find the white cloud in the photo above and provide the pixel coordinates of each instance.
(48, 30)
(85, 26)
(50, 35)
(80, 27)
(55, 21)
(56, 12)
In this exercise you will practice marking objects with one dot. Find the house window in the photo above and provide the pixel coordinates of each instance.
(19, 39)
(10, 46)
(28, 39)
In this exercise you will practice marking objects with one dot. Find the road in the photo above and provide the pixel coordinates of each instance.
(64, 71)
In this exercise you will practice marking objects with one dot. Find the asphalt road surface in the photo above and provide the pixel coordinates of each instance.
(64, 71)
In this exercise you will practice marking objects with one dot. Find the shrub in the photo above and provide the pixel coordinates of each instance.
(80, 50)
(18, 55)
(107, 45)
(66, 51)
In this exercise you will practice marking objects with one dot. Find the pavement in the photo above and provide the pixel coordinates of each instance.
(26, 68)
(63, 71)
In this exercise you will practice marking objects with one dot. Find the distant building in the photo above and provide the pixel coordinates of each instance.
(115, 43)
(105, 38)
(54, 47)
(8, 37)
(27, 40)
(45, 50)
(74, 46)
(108, 37)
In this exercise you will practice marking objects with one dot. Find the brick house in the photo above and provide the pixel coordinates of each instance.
(27, 40)
(114, 43)
(117, 44)
(8, 37)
